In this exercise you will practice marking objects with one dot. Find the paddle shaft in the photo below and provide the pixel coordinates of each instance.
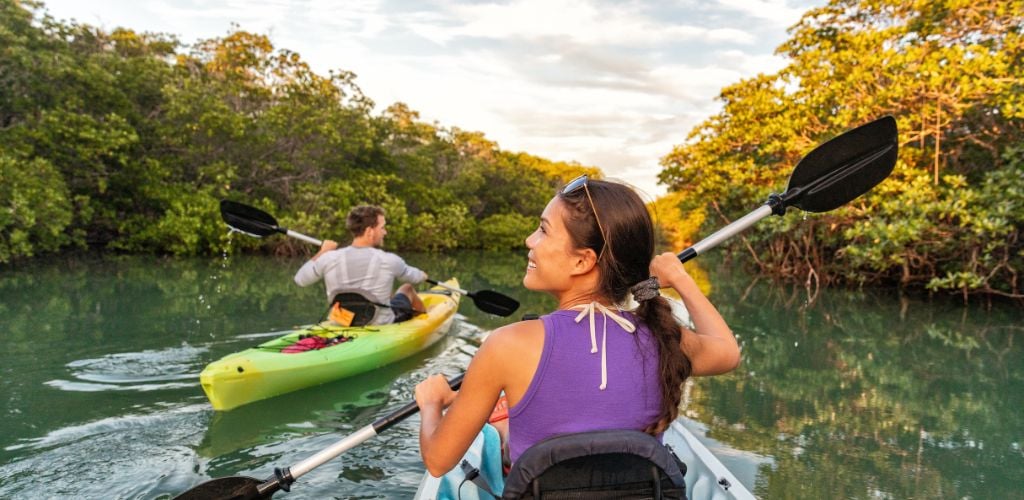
(449, 287)
(290, 474)
(716, 238)
(300, 236)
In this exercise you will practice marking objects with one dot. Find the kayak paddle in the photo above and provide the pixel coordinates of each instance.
(830, 176)
(245, 488)
(487, 300)
(257, 223)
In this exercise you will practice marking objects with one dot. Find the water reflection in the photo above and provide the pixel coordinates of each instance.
(862, 394)
(855, 394)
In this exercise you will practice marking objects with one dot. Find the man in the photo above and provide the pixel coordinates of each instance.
(364, 267)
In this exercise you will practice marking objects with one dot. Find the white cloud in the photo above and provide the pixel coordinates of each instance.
(777, 11)
(578, 22)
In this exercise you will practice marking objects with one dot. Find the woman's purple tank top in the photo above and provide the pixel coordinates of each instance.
(564, 395)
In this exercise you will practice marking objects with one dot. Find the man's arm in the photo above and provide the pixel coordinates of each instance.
(406, 273)
(309, 273)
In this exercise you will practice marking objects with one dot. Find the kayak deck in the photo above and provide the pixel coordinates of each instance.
(264, 371)
(706, 477)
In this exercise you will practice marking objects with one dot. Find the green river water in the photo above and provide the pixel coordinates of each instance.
(854, 394)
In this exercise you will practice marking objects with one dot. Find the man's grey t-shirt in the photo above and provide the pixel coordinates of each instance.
(369, 269)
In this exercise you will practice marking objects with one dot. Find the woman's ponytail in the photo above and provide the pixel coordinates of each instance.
(673, 366)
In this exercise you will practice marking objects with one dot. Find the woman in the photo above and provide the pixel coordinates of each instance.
(588, 365)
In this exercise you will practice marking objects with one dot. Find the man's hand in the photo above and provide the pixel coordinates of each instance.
(325, 247)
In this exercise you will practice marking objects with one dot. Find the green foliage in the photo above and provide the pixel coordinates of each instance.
(184, 228)
(443, 229)
(138, 137)
(34, 208)
(951, 74)
(965, 235)
(504, 231)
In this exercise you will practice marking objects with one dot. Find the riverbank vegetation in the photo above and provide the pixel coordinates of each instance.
(125, 141)
(951, 215)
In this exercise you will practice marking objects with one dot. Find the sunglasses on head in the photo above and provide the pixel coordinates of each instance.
(581, 183)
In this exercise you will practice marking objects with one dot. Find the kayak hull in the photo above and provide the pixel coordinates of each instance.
(263, 371)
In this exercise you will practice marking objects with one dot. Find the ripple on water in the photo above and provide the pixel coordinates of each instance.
(148, 370)
(110, 458)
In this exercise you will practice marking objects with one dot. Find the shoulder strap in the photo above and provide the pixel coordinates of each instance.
(371, 269)
(341, 262)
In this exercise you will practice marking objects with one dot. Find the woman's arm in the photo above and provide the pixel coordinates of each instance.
(445, 437)
(711, 346)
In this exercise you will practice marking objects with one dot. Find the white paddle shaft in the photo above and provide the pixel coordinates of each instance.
(733, 229)
(307, 239)
(325, 455)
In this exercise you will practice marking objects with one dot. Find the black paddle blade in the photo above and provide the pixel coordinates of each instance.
(248, 220)
(225, 488)
(844, 168)
(494, 302)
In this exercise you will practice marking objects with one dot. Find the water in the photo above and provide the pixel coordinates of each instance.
(850, 394)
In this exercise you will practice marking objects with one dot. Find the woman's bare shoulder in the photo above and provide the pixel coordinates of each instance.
(510, 355)
(526, 334)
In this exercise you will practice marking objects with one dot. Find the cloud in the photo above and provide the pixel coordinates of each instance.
(777, 11)
(576, 21)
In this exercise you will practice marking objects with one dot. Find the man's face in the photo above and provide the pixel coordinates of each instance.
(378, 232)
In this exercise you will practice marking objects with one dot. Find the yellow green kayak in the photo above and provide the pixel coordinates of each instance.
(265, 371)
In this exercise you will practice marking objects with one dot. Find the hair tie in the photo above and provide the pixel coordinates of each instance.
(646, 289)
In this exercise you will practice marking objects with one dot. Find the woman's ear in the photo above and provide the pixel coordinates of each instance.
(584, 260)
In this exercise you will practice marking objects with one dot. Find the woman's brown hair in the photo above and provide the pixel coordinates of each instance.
(625, 262)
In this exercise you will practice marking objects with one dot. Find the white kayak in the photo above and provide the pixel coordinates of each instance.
(706, 477)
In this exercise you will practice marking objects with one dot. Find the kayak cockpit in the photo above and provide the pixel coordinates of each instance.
(599, 464)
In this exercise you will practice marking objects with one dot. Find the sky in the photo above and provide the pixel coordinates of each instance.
(611, 84)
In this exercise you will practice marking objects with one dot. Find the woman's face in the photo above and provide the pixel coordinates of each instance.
(551, 255)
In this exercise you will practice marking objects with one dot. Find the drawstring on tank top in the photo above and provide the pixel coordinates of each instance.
(588, 310)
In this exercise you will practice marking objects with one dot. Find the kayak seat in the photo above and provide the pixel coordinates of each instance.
(598, 464)
(363, 309)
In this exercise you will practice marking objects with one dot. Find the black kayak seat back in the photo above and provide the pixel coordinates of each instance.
(364, 309)
(598, 464)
